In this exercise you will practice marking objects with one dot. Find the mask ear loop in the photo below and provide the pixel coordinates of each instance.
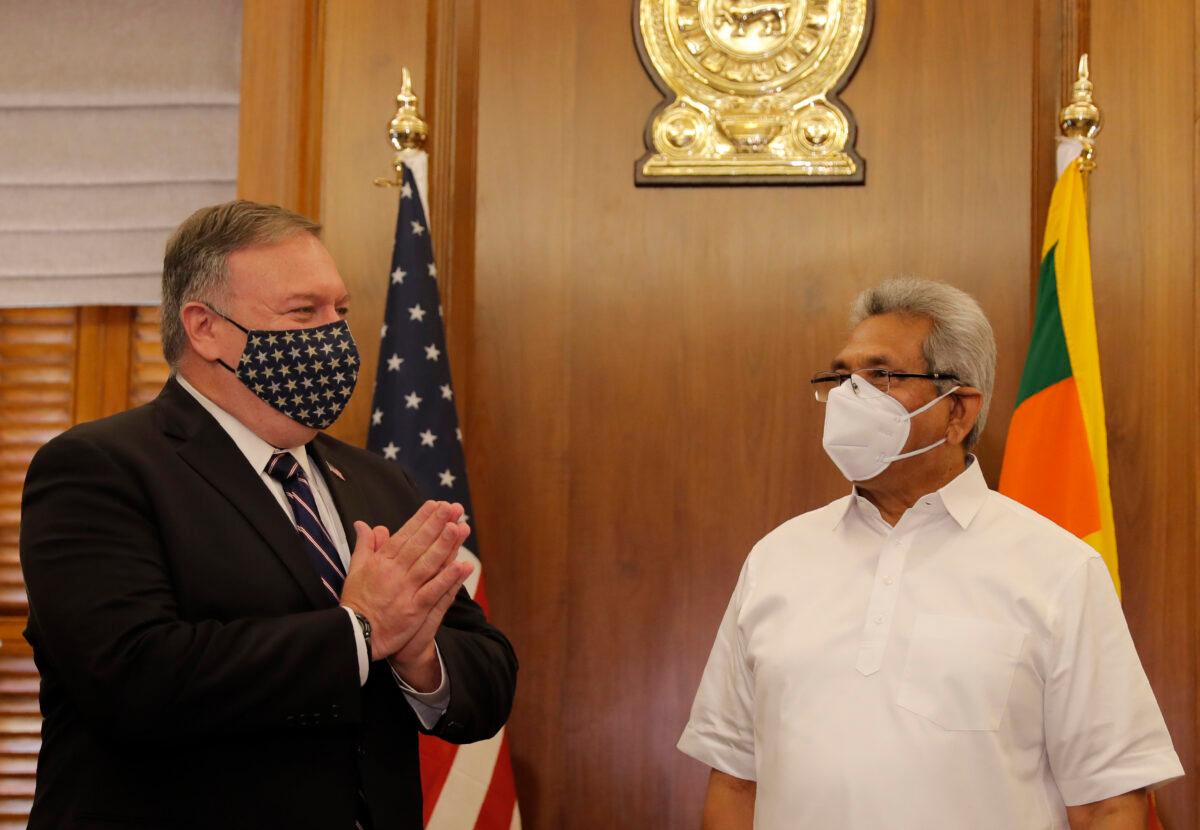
(914, 414)
(931, 404)
(226, 318)
(232, 322)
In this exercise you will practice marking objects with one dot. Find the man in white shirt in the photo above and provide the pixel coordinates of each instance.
(923, 653)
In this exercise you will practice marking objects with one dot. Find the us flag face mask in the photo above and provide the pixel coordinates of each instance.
(307, 374)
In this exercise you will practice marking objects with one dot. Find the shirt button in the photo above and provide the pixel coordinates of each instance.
(887, 580)
(879, 620)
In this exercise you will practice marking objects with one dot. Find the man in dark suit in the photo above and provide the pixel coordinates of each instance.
(212, 655)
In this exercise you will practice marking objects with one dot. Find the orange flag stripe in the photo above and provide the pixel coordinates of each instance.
(1048, 461)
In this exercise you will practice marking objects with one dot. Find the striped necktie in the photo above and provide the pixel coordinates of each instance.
(321, 550)
(317, 541)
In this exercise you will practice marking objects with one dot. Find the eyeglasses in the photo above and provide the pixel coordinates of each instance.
(881, 379)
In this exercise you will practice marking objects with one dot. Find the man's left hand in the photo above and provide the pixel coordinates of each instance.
(417, 661)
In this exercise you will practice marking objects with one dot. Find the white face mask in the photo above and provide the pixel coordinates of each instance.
(865, 430)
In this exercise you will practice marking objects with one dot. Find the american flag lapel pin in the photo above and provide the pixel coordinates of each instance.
(335, 471)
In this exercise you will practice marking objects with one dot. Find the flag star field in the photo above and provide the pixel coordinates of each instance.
(413, 420)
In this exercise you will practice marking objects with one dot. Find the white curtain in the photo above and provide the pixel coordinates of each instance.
(118, 118)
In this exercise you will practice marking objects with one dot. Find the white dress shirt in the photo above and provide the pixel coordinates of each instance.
(969, 667)
(429, 706)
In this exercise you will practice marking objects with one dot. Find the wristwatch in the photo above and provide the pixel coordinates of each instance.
(365, 625)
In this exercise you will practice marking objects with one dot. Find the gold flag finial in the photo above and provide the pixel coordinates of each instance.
(406, 131)
(1081, 119)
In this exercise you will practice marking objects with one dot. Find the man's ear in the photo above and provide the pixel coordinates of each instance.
(200, 323)
(964, 412)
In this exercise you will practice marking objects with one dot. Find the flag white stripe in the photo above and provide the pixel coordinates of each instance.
(1067, 151)
(468, 780)
(418, 163)
(472, 583)
(466, 787)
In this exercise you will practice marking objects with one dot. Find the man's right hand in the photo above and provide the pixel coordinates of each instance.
(397, 581)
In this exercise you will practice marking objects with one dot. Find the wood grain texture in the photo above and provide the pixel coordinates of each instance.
(280, 115)
(38, 349)
(20, 736)
(1143, 228)
(148, 371)
(636, 359)
(1052, 18)
(102, 361)
(640, 413)
(453, 107)
(367, 43)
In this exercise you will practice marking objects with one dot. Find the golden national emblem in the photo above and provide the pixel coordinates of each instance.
(750, 90)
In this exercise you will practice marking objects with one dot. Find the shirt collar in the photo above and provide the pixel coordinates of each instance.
(962, 497)
(257, 451)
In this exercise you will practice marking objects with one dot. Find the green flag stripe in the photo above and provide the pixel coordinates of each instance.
(1048, 361)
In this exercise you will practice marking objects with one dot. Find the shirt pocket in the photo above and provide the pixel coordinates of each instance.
(959, 671)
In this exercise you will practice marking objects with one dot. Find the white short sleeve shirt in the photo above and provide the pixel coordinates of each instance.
(969, 667)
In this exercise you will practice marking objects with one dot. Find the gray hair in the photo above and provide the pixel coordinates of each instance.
(196, 262)
(961, 341)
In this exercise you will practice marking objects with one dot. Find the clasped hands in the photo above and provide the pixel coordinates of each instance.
(403, 582)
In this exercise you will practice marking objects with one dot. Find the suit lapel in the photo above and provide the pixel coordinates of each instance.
(209, 450)
(345, 489)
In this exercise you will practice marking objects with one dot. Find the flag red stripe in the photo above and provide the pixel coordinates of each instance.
(1152, 820)
(497, 808)
(437, 757)
(481, 597)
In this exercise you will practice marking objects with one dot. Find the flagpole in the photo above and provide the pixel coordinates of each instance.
(1081, 120)
(407, 133)
(414, 422)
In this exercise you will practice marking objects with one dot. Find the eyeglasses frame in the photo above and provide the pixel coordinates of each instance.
(842, 377)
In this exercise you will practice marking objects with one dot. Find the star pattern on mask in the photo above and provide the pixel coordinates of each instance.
(311, 391)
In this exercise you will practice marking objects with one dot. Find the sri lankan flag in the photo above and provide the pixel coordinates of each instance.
(1056, 458)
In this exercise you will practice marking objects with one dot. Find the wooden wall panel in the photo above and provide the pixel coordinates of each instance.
(453, 107)
(1144, 229)
(102, 361)
(280, 110)
(640, 410)
(367, 43)
(1062, 32)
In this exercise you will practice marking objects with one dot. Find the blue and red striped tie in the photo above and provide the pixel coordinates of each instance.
(318, 542)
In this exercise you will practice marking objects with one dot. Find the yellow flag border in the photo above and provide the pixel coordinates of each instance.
(1067, 225)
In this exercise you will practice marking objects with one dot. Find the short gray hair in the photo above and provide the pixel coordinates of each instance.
(961, 341)
(196, 262)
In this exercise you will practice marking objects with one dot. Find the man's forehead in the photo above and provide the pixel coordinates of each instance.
(297, 268)
(890, 340)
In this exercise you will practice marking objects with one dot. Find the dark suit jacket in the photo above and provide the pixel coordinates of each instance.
(194, 674)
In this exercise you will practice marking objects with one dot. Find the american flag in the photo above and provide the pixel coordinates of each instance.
(414, 423)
